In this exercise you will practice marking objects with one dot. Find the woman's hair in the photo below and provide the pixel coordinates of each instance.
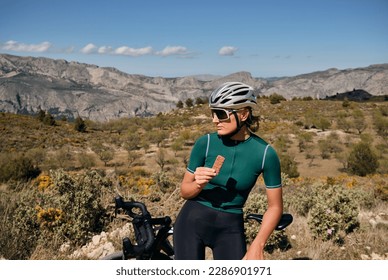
(252, 121)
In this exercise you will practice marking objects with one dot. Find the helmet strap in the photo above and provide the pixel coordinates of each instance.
(239, 125)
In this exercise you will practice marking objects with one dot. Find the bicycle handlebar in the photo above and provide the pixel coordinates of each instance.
(128, 206)
(145, 216)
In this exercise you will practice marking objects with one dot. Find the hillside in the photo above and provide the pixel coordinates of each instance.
(71, 89)
(73, 176)
(297, 128)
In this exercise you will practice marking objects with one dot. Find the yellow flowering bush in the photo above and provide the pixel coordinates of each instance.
(50, 217)
(44, 182)
(137, 184)
(144, 184)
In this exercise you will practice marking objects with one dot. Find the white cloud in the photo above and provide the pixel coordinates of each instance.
(124, 50)
(104, 50)
(173, 50)
(227, 51)
(94, 49)
(89, 48)
(20, 47)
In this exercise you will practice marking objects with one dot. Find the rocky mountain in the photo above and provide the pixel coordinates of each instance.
(71, 89)
(373, 79)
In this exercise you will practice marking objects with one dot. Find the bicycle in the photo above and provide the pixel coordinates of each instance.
(151, 234)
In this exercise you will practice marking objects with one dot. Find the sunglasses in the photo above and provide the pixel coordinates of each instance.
(222, 114)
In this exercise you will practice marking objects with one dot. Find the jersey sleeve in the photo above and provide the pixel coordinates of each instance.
(271, 169)
(198, 154)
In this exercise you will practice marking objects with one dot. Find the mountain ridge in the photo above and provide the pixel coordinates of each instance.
(71, 89)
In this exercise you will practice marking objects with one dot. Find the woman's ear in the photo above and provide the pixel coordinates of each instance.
(244, 114)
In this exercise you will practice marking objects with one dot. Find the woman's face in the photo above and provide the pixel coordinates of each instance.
(225, 127)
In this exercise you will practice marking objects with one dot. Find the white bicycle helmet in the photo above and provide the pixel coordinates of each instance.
(233, 95)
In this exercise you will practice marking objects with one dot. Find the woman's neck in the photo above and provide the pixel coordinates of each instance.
(242, 135)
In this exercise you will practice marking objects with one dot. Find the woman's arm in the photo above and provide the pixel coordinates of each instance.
(192, 184)
(270, 220)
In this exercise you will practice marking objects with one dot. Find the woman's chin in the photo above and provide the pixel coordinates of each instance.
(222, 132)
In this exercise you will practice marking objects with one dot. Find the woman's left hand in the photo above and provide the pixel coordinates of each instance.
(252, 254)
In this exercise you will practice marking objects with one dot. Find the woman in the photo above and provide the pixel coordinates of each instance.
(212, 216)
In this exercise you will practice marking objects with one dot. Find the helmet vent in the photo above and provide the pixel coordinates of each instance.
(226, 100)
(241, 101)
(216, 99)
(241, 93)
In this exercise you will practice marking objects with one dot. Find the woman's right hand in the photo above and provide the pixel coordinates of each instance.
(193, 183)
(203, 175)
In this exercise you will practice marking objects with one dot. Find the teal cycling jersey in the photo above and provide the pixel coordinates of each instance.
(243, 164)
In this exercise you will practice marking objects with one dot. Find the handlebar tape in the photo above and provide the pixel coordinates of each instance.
(145, 215)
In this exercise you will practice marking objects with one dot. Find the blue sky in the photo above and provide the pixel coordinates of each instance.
(180, 38)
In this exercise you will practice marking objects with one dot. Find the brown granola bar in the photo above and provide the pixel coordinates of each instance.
(218, 163)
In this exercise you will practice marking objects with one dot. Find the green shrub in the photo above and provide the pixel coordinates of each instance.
(362, 160)
(276, 98)
(163, 181)
(79, 197)
(86, 160)
(20, 231)
(365, 198)
(289, 166)
(380, 121)
(17, 167)
(68, 210)
(333, 213)
(300, 199)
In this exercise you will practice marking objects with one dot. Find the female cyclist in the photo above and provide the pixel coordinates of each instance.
(212, 216)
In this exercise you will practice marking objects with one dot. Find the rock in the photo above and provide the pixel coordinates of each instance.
(96, 253)
(365, 257)
(64, 248)
(96, 240)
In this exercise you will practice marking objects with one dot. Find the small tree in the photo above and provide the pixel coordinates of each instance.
(157, 137)
(179, 104)
(41, 114)
(289, 166)
(161, 159)
(49, 119)
(322, 123)
(362, 160)
(380, 121)
(359, 121)
(104, 152)
(199, 101)
(189, 102)
(79, 124)
(304, 140)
